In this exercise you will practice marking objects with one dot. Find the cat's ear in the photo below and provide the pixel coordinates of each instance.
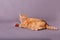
(20, 15)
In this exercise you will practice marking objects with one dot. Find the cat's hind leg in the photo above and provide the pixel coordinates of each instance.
(41, 28)
(37, 28)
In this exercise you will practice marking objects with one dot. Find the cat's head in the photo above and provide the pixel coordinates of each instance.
(22, 17)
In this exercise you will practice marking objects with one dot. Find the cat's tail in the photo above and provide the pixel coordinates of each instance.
(51, 28)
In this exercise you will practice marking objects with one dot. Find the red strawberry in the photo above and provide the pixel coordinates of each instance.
(16, 25)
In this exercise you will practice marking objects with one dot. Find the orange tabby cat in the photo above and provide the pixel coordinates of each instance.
(34, 23)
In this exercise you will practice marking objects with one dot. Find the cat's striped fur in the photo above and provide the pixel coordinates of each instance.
(34, 23)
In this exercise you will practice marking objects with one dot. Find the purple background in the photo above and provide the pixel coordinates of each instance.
(45, 9)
